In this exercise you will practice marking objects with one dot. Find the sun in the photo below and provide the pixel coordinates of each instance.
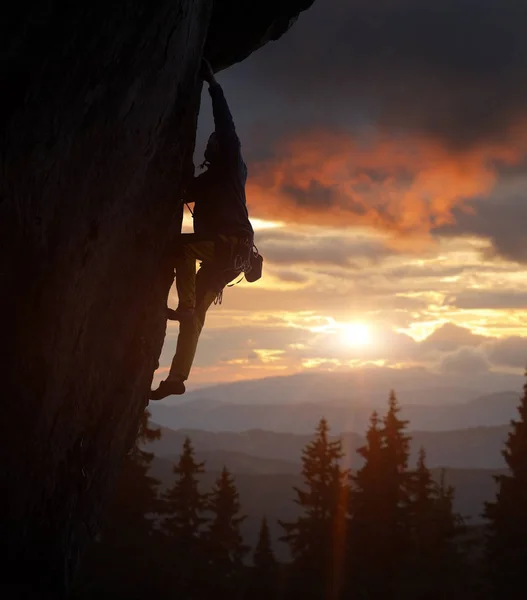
(356, 334)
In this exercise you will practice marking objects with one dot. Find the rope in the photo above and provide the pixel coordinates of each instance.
(236, 282)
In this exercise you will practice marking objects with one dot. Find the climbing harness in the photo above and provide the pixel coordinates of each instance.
(249, 264)
(252, 267)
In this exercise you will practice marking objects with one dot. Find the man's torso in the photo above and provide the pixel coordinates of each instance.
(220, 203)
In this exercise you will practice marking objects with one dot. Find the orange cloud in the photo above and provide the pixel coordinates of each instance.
(406, 186)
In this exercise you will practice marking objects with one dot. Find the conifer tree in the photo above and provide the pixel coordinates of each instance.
(396, 454)
(396, 483)
(263, 583)
(369, 477)
(317, 538)
(369, 528)
(379, 504)
(123, 560)
(225, 547)
(136, 494)
(129, 515)
(434, 566)
(184, 504)
(184, 507)
(506, 546)
(423, 491)
(264, 558)
(452, 523)
(367, 499)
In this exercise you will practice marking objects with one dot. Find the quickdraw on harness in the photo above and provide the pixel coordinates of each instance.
(250, 266)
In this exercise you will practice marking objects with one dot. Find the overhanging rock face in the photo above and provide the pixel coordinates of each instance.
(263, 21)
(100, 101)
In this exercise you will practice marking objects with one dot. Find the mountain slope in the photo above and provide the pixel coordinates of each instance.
(366, 385)
(469, 448)
(490, 410)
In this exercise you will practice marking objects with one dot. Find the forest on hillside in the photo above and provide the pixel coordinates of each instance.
(387, 530)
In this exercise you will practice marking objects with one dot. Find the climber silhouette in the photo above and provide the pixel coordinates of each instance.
(222, 238)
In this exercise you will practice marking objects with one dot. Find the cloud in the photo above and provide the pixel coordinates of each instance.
(455, 349)
(436, 88)
(407, 186)
(291, 276)
(464, 361)
(453, 70)
(313, 247)
(225, 343)
(450, 337)
(253, 357)
(242, 342)
(488, 299)
(508, 352)
(500, 219)
(340, 299)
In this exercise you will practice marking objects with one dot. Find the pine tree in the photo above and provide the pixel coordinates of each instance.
(369, 478)
(506, 546)
(263, 583)
(129, 517)
(396, 453)
(184, 504)
(379, 504)
(184, 507)
(225, 547)
(124, 559)
(434, 564)
(369, 526)
(452, 523)
(366, 498)
(135, 500)
(264, 558)
(317, 538)
(424, 492)
(424, 486)
(396, 456)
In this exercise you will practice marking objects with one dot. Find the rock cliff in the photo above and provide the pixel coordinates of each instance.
(100, 102)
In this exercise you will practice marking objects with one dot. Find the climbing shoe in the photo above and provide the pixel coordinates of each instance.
(168, 388)
(180, 314)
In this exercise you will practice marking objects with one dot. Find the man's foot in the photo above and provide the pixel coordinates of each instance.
(180, 314)
(168, 388)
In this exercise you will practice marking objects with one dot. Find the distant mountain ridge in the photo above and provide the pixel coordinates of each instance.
(366, 385)
(259, 451)
(213, 415)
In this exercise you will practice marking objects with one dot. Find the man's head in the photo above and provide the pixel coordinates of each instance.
(212, 149)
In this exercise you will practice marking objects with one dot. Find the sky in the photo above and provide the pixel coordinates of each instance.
(386, 142)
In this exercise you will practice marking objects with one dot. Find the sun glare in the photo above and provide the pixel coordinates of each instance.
(356, 334)
(259, 224)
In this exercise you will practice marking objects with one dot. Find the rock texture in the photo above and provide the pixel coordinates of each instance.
(100, 101)
(263, 21)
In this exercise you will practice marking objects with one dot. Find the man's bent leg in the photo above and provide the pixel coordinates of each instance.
(190, 331)
(190, 249)
(187, 343)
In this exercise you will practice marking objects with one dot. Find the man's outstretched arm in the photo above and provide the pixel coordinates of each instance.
(223, 121)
